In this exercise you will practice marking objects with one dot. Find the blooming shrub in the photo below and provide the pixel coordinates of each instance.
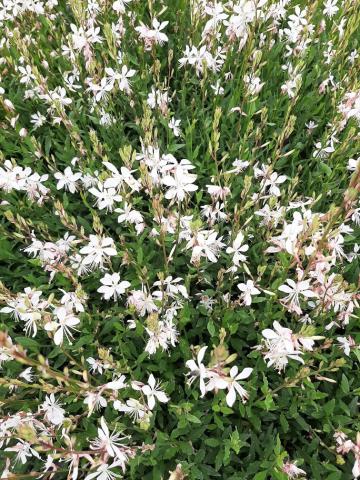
(178, 241)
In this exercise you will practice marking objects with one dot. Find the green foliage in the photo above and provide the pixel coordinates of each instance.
(288, 416)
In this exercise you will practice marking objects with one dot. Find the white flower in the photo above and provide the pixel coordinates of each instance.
(216, 381)
(238, 249)
(78, 37)
(106, 197)
(198, 370)
(28, 307)
(311, 125)
(217, 88)
(24, 451)
(26, 74)
(5, 352)
(353, 56)
(152, 36)
(346, 344)
(353, 164)
(289, 237)
(95, 401)
(216, 12)
(98, 250)
(112, 287)
(174, 125)
(202, 59)
(294, 290)
(123, 82)
(356, 450)
(158, 99)
(37, 119)
(164, 334)
(169, 331)
(156, 32)
(67, 180)
(104, 472)
(81, 38)
(27, 375)
(153, 392)
(272, 183)
(330, 8)
(119, 6)
(170, 286)
(218, 192)
(66, 321)
(111, 443)
(57, 98)
(205, 244)
(142, 301)
(291, 85)
(97, 365)
(116, 384)
(129, 179)
(71, 300)
(253, 84)
(239, 165)
(247, 290)
(234, 387)
(180, 184)
(127, 214)
(132, 407)
(156, 340)
(281, 346)
(53, 412)
(122, 78)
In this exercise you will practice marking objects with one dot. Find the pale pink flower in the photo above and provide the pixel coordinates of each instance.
(356, 451)
(292, 471)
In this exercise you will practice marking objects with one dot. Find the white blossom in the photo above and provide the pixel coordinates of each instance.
(52, 410)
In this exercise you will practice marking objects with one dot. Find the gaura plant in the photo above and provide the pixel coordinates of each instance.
(179, 239)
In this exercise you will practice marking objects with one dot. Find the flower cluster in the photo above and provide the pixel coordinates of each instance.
(214, 378)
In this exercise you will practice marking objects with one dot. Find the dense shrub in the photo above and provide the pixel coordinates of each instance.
(179, 269)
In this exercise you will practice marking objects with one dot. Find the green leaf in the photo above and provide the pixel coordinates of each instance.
(212, 442)
(28, 343)
(192, 418)
(211, 328)
(261, 475)
(344, 384)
